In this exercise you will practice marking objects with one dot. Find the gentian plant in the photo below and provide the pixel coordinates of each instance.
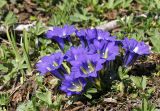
(87, 64)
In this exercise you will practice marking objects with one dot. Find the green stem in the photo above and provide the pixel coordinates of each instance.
(13, 45)
(26, 51)
(98, 84)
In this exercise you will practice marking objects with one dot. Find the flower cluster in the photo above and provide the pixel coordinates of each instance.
(83, 63)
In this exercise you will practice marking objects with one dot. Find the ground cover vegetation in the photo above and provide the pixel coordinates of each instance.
(65, 63)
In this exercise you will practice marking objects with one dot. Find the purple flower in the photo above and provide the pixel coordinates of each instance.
(49, 63)
(58, 73)
(59, 34)
(67, 30)
(91, 34)
(107, 50)
(53, 33)
(74, 53)
(103, 35)
(71, 86)
(133, 50)
(62, 32)
(118, 42)
(81, 34)
(87, 36)
(87, 66)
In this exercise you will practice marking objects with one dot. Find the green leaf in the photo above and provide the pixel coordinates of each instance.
(123, 73)
(88, 96)
(151, 90)
(39, 80)
(57, 103)
(44, 96)
(10, 19)
(38, 29)
(136, 81)
(136, 110)
(121, 87)
(94, 2)
(157, 2)
(26, 106)
(4, 98)
(134, 95)
(3, 68)
(144, 104)
(155, 39)
(152, 108)
(140, 82)
(117, 3)
(2, 3)
(112, 4)
(144, 82)
(109, 5)
(92, 90)
(126, 3)
(77, 17)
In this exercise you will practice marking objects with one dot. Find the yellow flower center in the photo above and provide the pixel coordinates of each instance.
(77, 87)
(55, 64)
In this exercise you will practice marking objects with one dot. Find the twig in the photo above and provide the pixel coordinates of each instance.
(109, 26)
(106, 26)
(21, 27)
(12, 91)
(114, 23)
(5, 41)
